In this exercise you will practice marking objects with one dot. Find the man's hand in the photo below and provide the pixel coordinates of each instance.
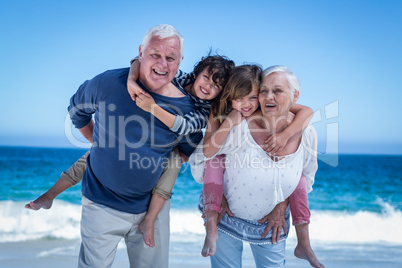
(145, 102)
(276, 220)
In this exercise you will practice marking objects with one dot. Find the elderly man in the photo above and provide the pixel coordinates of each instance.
(129, 151)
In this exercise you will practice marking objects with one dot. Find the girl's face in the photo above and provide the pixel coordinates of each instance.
(204, 87)
(248, 104)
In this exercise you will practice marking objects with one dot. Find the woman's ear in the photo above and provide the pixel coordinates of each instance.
(295, 96)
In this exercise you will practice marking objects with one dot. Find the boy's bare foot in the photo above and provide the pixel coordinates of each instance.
(42, 201)
(147, 230)
(307, 253)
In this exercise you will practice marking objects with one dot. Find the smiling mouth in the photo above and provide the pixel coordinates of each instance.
(159, 73)
(270, 105)
(246, 110)
(204, 91)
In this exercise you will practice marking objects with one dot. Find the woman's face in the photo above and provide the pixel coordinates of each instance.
(275, 96)
(248, 104)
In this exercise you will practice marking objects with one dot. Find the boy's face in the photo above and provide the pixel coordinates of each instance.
(204, 87)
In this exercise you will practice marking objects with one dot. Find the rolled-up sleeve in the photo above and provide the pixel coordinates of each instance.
(75, 173)
(84, 102)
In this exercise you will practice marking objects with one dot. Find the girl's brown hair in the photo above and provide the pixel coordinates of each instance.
(240, 84)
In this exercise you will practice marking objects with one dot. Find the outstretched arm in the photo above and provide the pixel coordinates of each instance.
(303, 114)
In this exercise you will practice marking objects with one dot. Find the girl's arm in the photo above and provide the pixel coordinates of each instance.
(216, 134)
(303, 114)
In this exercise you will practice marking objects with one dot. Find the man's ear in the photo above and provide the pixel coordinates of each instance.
(140, 53)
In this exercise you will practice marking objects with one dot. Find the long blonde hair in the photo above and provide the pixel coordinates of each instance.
(240, 84)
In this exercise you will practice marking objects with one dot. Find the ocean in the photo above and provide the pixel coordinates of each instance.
(356, 212)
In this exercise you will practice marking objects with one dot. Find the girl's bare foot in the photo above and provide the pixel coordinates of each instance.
(210, 242)
(307, 253)
(211, 224)
(42, 201)
(147, 230)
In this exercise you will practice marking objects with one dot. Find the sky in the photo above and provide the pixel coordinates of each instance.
(346, 54)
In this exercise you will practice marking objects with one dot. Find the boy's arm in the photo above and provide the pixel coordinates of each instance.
(303, 115)
(194, 121)
(180, 124)
(133, 88)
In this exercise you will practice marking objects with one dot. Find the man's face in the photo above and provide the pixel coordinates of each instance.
(160, 60)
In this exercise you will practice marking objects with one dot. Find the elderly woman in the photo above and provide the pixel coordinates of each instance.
(255, 182)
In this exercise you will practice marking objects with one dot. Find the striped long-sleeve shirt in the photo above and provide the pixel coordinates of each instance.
(195, 120)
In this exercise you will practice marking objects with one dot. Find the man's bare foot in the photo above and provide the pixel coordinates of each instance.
(42, 201)
(147, 230)
(307, 254)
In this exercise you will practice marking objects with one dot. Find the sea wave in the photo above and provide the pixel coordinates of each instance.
(62, 221)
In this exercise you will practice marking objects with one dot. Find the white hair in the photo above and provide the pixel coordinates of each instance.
(293, 81)
(162, 31)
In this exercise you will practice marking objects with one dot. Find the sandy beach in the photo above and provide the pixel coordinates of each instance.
(64, 254)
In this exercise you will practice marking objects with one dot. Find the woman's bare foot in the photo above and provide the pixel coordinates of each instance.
(147, 230)
(307, 253)
(43, 201)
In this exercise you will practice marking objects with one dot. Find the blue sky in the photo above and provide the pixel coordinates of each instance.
(347, 55)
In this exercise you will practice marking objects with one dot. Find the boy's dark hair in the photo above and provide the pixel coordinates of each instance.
(218, 66)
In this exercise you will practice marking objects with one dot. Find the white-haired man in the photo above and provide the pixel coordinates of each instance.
(129, 150)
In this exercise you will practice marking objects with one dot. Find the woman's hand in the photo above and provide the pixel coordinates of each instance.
(225, 208)
(275, 143)
(276, 220)
(145, 102)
